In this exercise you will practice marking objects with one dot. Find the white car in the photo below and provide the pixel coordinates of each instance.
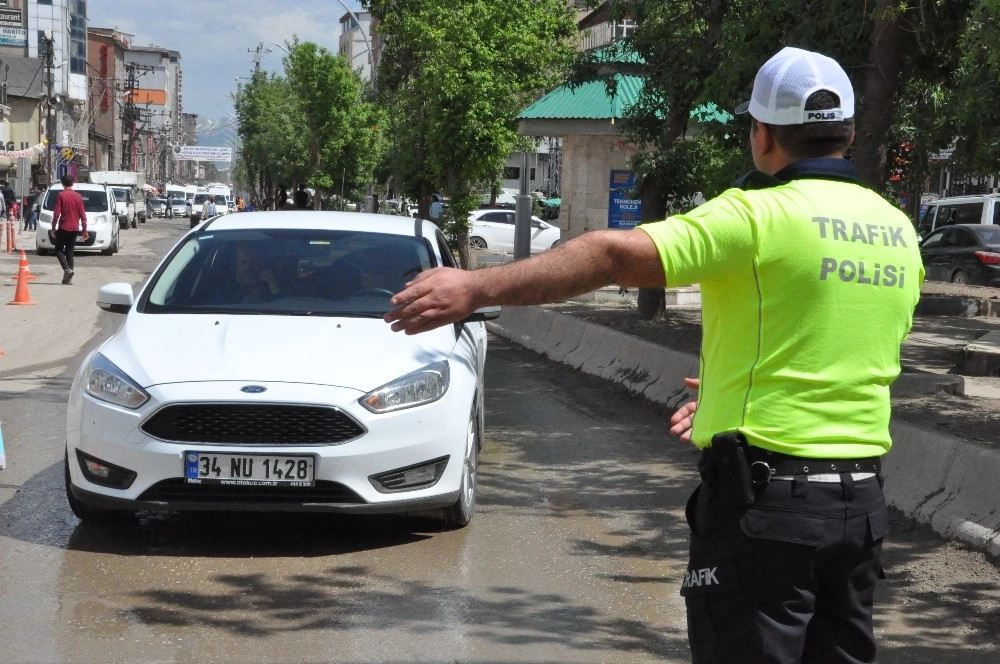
(494, 229)
(102, 220)
(254, 371)
(178, 207)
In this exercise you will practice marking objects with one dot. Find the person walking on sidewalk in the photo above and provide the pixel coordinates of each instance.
(69, 219)
(808, 282)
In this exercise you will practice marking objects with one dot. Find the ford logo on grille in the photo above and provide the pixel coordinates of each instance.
(253, 389)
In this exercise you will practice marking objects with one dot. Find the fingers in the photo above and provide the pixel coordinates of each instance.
(682, 421)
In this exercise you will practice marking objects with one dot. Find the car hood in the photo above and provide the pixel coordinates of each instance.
(355, 353)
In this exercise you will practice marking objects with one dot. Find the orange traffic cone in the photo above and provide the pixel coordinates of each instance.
(21, 295)
(24, 264)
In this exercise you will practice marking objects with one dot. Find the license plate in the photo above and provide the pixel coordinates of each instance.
(249, 469)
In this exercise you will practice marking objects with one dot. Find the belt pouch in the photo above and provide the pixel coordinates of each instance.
(732, 472)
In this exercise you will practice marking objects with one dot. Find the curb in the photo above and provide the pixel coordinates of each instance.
(931, 477)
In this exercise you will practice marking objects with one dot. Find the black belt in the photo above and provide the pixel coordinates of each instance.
(765, 464)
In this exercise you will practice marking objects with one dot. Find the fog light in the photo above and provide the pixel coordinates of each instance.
(96, 468)
(417, 476)
(105, 474)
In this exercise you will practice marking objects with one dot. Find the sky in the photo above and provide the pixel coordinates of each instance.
(215, 37)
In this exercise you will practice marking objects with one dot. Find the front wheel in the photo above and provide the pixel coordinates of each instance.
(41, 252)
(460, 514)
(476, 242)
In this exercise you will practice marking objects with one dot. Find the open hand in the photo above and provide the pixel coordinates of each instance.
(434, 298)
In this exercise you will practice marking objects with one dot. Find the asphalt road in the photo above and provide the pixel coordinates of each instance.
(575, 554)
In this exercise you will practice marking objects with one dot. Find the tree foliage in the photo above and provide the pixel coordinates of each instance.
(452, 77)
(313, 125)
(920, 69)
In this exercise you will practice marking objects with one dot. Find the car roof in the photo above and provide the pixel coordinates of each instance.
(324, 220)
(88, 186)
(975, 198)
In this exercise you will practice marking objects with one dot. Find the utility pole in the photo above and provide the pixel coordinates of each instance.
(131, 114)
(50, 109)
(259, 54)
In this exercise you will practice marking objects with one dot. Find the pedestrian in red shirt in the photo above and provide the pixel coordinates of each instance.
(69, 219)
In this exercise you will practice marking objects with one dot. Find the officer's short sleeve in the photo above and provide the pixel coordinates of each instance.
(715, 240)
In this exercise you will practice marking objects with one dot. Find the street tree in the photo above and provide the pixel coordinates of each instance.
(271, 149)
(453, 76)
(339, 123)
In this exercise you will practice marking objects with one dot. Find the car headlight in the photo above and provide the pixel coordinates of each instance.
(107, 382)
(414, 389)
(100, 219)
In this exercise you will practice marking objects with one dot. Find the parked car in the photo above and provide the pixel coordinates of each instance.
(157, 207)
(980, 209)
(963, 254)
(178, 207)
(296, 395)
(102, 219)
(494, 229)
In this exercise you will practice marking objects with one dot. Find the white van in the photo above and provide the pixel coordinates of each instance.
(981, 209)
(102, 220)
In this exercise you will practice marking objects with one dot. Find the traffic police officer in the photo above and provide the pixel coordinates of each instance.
(808, 284)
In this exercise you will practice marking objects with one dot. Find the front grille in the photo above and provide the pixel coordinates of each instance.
(176, 490)
(252, 424)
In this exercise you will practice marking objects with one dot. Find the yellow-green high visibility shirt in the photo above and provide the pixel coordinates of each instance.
(808, 289)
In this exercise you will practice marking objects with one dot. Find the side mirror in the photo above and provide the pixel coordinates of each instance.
(116, 297)
(484, 314)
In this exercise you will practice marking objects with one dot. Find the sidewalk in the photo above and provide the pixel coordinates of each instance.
(932, 475)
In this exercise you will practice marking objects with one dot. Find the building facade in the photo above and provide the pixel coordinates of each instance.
(356, 43)
(56, 34)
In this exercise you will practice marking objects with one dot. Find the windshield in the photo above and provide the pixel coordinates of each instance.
(178, 202)
(286, 272)
(93, 200)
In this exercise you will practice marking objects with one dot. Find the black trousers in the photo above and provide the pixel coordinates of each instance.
(789, 579)
(63, 244)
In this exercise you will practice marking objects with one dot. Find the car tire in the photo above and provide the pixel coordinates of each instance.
(85, 511)
(960, 277)
(41, 252)
(476, 242)
(460, 514)
(113, 249)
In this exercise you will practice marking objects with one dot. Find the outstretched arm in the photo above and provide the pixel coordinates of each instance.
(600, 258)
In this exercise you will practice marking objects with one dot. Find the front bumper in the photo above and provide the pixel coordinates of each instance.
(343, 471)
(98, 240)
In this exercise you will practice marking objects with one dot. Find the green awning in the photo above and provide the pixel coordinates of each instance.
(552, 202)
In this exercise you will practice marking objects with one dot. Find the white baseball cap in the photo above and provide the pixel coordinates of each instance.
(784, 83)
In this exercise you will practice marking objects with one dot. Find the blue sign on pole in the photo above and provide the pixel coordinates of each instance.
(623, 210)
